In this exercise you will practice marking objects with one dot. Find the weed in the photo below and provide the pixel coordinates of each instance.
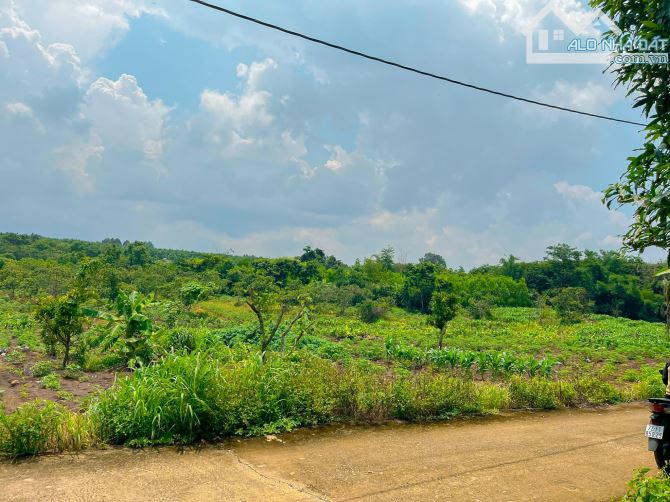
(50, 381)
(42, 368)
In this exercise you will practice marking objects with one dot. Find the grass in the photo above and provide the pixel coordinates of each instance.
(44, 427)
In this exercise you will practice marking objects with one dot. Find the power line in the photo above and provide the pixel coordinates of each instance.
(410, 68)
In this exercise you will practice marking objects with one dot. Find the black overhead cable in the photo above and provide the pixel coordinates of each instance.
(411, 69)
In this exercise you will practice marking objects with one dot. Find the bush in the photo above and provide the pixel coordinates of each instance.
(73, 372)
(97, 362)
(432, 396)
(41, 427)
(50, 381)
(540, 393)
(481, 308)
(42, 368)
(591, 390)
(181, 341)
(191, 397)
(571, 304)
(493, 398)
(643, 488)
(371, 312)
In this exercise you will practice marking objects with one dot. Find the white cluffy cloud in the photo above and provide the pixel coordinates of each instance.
(90, 26)
(124, 118)
(70, 121)
(234, 121)
(577, 192)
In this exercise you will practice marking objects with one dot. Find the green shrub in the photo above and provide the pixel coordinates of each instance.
(539, 393)
(433, 396)
(73, 372)
(181, 341)
(371, 312)
(41, 427)
(493, 398)
(591, 390)
(189, 397)
(16, 357)
(97, 362)
(50, 381)
(643, 488)
(42, 368)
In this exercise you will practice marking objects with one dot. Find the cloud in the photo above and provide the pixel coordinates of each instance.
(91, 26)
(515, 15)
(577, 192)
(124, 118)
(588, 96)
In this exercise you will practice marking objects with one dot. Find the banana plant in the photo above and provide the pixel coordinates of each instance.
(129, 327)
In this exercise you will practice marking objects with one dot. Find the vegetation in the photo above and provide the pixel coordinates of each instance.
(60, 319)
(643, 488)
(208, 346)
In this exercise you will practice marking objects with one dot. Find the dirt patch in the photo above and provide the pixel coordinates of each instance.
(18, 385)
(545, 456)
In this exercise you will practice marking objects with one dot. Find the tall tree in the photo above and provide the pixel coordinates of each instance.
(645, 186)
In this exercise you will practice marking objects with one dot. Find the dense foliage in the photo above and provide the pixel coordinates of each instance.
(614, 284)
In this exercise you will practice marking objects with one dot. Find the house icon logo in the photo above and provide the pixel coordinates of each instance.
(555, 36)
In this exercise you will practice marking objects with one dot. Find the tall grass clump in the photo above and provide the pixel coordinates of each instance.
(540, 393)
(44, 427)
(191, 397)
(429, 396)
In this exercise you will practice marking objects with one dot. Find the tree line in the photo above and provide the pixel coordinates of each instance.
(605, 282)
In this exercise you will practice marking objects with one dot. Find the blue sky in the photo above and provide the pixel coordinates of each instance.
(168, 122)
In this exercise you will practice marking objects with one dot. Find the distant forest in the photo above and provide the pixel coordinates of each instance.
(603, 282)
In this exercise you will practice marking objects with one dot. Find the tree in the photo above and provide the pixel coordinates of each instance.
(61, 321)
(418, 286)
(645, 186)
(435, 259)
(273, 306)
(194, 291)
(510, 267)
(138, 253)
(571, 304)
(386, 258)
(309, 254)
(442, 310)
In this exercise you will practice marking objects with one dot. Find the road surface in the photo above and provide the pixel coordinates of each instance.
(567, 455)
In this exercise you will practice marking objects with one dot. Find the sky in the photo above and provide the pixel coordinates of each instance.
(167, 122)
